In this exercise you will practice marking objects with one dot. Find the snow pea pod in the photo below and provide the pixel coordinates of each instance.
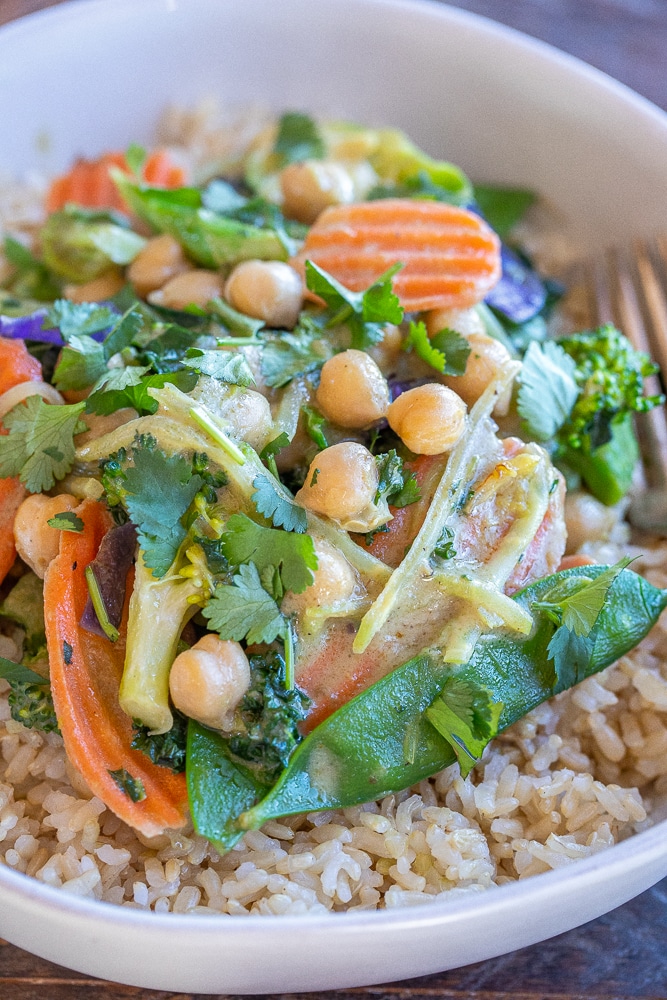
(210, 239)
(381, 742)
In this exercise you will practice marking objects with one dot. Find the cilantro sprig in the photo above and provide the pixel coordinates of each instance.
(364, 313)
(395, 485)
(465, 714)
(40, 445)
(575, 607)
(290, 554)
(447, 351)
(280, 509)
(244, 609)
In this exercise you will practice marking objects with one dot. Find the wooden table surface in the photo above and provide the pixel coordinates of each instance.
(623, 954)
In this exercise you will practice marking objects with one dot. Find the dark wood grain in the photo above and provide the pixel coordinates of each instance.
(623, 955)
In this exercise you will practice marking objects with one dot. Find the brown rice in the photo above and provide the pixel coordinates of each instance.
(575, 776)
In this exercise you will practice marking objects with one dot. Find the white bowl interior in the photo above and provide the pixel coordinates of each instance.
(92, 76)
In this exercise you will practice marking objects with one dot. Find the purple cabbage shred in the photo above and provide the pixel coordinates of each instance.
(111, 566)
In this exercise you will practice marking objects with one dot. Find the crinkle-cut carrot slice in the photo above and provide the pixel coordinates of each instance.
(450, 256)
(88, 182)
(16, 365)
(85, 676)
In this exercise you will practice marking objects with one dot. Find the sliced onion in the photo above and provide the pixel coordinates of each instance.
(19, 392)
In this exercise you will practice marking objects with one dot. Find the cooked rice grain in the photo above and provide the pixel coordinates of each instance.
(580, 773)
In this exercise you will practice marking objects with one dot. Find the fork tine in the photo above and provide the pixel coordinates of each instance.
(629, 290)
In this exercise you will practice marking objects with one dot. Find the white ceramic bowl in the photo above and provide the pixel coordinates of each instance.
(91, 76)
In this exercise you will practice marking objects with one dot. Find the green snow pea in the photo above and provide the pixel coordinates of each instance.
(210, 239)
(381, 742)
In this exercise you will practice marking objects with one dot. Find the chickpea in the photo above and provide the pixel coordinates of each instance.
(37, 542)
(342, 481)
(387, 352)
(352, 392)
(313, 185)
(104, 287)
(196, 287)
(486, 357)
(587, 520)
(160, 260)
(428, 419)
(266, 289)
(465, 321)
(334, 581)
(247, 412)
(208, 680)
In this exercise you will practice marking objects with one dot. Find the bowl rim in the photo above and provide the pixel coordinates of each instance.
(630, 855)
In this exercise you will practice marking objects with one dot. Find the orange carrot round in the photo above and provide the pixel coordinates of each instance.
(85, 676)
(450, 256)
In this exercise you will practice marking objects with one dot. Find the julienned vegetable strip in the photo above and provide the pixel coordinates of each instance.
(453, 484)
(85, 674)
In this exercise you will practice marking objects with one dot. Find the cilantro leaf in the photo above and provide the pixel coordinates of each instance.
(467, 717)
(444, 547)
(283, 512)
(18, 674)
(66, 521)
(40, 445)
(547, 390)
(294, 554)
(298, 139)
(571, 654)
(274, 446)
(158, 489)
(364, 313)
(447, 352)
(270, 450)
(397, 487)
(129, 387)
(81, 364)
(291, 354)
(84, 359)
(579, 609)
(79, 319)
(575, 608)
(225, 366)
(244, 610)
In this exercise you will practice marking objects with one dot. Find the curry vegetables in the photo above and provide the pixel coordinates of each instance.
(283, 469)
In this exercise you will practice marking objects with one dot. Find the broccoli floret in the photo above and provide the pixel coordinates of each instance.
(32, 706)
(597, 441)
(610, 374)
(269, 715)
(166, 749)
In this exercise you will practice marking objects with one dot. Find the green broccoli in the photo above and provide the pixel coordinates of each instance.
(579, 393)
(32, 706)
(597, 440)
(166, 749)
(610, 374)
(269, 716)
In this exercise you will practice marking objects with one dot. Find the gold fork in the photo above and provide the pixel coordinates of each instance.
(629, 288)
